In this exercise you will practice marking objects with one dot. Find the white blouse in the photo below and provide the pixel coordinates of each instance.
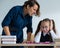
(38, 36)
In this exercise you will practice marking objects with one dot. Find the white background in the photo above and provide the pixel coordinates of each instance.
(48, 8)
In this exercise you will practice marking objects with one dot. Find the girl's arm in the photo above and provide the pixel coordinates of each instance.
(54, 35)
(37, 37)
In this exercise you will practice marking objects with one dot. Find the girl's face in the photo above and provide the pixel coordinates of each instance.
(32, 10)
(45, 26)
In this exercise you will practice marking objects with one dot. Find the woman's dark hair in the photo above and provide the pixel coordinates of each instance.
(32, 3)
(38, 28)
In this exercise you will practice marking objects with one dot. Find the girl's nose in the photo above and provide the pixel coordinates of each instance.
(35, 12)
(44, 29)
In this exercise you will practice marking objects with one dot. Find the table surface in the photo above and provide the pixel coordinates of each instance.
(33, 44)
(21, 44)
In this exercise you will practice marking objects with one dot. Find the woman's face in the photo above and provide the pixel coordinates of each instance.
(45, 26)
(32, 10)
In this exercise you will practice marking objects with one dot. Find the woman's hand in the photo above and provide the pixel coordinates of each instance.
(31, 40)
(24, 41)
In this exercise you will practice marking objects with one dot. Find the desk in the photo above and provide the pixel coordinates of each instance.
(27, 44)
(51, 44)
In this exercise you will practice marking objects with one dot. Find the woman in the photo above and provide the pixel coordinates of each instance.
(18, 18)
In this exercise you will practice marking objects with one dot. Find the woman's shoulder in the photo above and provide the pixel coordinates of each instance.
(17, 6)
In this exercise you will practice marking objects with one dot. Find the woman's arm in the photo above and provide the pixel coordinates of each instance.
(6, 30)
(28, 36)
(7, 20)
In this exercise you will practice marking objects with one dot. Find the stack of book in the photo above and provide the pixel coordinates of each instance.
(8, 39)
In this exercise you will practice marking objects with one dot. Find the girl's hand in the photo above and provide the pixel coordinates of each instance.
(51, 25)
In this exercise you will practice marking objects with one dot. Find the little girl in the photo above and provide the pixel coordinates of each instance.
(45, 32)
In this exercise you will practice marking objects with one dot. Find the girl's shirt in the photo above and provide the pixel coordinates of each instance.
(46, 37)
(38, 36)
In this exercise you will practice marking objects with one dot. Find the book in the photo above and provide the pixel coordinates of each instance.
(8, 42)
(6, 37)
